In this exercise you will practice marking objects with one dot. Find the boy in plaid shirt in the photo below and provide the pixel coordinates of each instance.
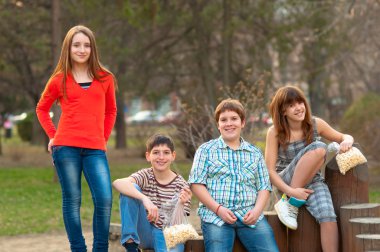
(231, 180)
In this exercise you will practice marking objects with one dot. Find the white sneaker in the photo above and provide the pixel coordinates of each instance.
(287, 213)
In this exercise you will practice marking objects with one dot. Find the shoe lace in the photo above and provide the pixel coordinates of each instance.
(293, 211)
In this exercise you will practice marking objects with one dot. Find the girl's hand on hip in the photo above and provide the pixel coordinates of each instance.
(50, 144)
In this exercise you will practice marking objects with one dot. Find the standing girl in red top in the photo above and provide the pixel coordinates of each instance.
(85, 90)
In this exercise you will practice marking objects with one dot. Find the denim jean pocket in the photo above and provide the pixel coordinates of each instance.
(56, 148)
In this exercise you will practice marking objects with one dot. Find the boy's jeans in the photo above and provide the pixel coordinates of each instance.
(135, 226)
(260, 238)
(70, 162)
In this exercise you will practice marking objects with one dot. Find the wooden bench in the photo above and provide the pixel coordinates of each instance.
(197, 245)
(278, 229)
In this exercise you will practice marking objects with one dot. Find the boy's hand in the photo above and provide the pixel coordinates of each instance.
(185, 195)
(152, 209)
(251, 217)
(227, 215)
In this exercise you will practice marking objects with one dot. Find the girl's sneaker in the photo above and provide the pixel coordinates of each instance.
(287, 210)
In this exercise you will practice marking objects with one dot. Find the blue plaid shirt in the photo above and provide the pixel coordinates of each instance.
(232, 177)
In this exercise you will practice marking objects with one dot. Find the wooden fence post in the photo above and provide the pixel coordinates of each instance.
(351, 211)
(368, 242)
(307, 236)
(346, 189)
(195, 245)
(279, 230)
(366, 225)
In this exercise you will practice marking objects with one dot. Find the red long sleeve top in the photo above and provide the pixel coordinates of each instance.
(88, 116)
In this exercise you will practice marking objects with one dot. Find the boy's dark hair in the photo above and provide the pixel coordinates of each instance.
(232, 105)
(159, 139)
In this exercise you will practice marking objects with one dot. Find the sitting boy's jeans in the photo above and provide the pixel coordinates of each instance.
(259, 238)
(135, 226)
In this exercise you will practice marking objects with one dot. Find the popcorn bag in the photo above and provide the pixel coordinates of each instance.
(348, 159)
(178, 229)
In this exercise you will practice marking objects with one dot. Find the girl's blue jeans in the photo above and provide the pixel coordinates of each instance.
(70, 162)
(135, 226)
(218, 239)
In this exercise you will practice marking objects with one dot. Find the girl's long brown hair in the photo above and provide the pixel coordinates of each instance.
(281, 100)
(65, 66)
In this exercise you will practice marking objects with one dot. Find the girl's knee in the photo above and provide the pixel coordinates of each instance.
(317, 145)
(320, 152)
(103, 202)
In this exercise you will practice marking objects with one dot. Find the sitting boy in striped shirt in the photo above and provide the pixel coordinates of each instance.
(231, 180)
(143, 194)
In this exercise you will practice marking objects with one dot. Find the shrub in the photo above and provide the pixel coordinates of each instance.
(197, 124)
(25, 128)
(362, 121)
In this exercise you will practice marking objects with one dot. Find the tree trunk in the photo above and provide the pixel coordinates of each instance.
(317, 94)
(226, 42)
(1, 143)
(202, 54)
(120, 125)
(38, 136)
(56, 48)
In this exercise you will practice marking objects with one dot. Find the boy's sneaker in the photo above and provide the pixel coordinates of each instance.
(286, 212)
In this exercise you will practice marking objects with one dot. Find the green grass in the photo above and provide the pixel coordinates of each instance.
(30, 202)
(374, 196)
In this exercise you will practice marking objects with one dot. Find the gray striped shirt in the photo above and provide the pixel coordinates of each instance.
(158, 193)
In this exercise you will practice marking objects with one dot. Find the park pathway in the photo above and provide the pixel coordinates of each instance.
(50, 242)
